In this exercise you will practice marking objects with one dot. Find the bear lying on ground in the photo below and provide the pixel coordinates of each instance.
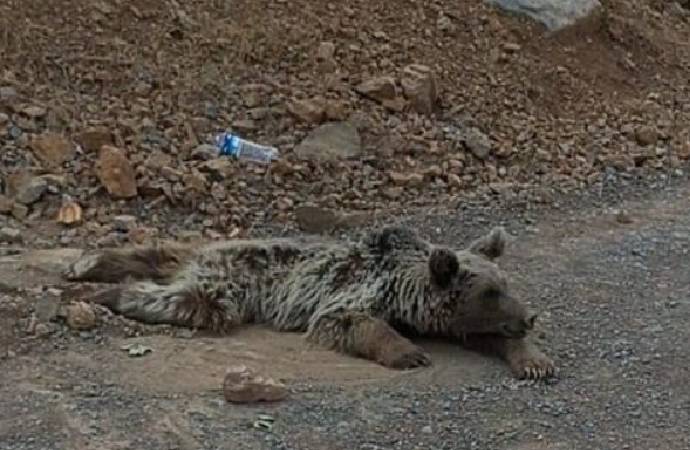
(357, 298)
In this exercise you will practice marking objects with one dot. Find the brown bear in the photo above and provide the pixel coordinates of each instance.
(355, 297)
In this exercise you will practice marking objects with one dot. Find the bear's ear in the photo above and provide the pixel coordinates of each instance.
(492, 245)
(443, 266)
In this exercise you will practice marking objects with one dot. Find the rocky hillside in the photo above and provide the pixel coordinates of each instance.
(107, 109)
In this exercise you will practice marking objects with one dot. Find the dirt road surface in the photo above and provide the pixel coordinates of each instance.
(614, 295)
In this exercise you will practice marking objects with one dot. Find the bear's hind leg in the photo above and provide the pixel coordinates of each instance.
(176, 304)
(116, 265)
(362, 335)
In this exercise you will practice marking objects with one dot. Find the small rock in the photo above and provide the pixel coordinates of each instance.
(7, 93)
(354, 220)
(26, 188)
(399, 179)
(205, 152)
(124, 223)
(331, 141)
(284, 204)
(6, 205)
(4, 118)
(116, 173)
(313, 219)
(622, 216)
(52, 149)
(308, 111)
(427, 429)
(397, 104)
(477, 142)
(34, 111)
(47, 309)
(336, 110)
(70, 213)
(19, 211)
(646, 136)
(412, 179)
(419, 87)
(158, 160)
(136, 350)
(454, 180)
(185, 333)
(142, 235)
(10, 235)
(628, 129)
(242, 385)
(379, 89)
(326, 51)
(195, 181)
(511, 47)
(42, 329)
(94, 138)
(80, 316)
(244, 125)
(393, 193)
(15, 133)
(217, 169)
(445, 23)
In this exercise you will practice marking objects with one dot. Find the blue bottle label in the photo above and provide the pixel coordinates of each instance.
(229, 144)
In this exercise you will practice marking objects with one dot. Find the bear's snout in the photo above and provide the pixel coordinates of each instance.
(518, 328)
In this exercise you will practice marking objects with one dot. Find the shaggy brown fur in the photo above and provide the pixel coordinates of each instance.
(351, 297)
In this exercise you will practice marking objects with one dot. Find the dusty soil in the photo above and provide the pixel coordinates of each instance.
(552, 112)
(613, 295)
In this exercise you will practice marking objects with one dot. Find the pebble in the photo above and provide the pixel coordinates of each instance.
(124, 223)
(10, 235)
(116, 173)
(30, 190)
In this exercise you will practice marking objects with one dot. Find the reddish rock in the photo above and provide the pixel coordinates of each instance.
(70, 213)
(419, 87)
(94, 138)
(242, 385)
(116, 173)
(80, 316)
(308, 111)
(52, 149)
(380, 89)
(6, 205)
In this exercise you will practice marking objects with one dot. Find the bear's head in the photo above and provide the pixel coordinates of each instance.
(473, 291)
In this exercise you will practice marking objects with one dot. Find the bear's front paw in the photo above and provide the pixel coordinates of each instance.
(404, 356)
(533, 365)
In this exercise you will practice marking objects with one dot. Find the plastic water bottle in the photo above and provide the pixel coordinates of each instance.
(230, 144)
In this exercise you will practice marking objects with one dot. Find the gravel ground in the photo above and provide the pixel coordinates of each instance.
(613, 294)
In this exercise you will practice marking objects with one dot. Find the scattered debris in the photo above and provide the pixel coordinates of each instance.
(10, 235)
(623, 217)
(70, 212)
(116, 173)
(80, 316)
(52, 149)
(136, 350)
(242, 385)
(264, 422)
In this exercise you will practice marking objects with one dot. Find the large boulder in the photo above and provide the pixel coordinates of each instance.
(554, 14)
(331, 141)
